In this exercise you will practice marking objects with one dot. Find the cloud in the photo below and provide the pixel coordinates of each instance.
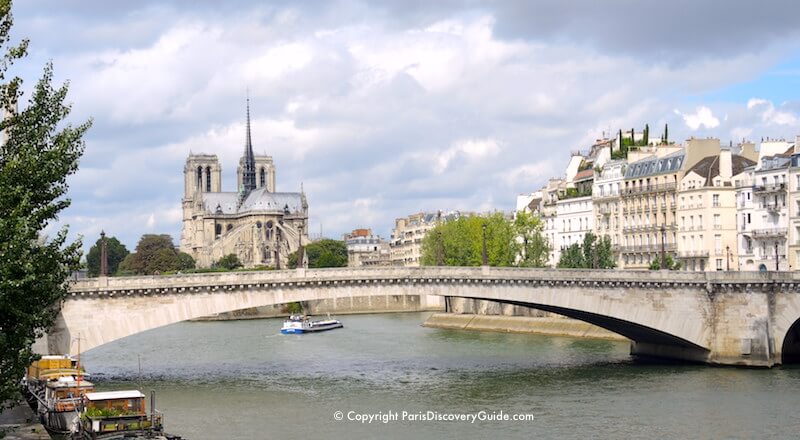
(702, 117)
(769, 114)
(381, 109)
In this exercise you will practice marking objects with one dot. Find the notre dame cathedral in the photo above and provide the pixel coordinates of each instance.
(261, 226)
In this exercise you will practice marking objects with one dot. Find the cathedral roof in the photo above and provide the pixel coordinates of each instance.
(258, 200)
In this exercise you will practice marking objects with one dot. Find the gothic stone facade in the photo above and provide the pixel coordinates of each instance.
(261, 226)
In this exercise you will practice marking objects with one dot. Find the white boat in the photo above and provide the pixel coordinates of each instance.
(297, 324)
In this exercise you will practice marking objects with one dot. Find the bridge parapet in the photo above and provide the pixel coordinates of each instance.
(712, 281)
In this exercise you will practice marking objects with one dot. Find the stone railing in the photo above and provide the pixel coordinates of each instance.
(420, 276)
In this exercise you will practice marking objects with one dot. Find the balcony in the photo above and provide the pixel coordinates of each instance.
(765, 189)
(647, 189)
(693, 254)
(668, 247)
(770, 232)
(773, 208)
(604, 196)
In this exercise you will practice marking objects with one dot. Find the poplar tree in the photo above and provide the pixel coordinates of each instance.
(38, 151)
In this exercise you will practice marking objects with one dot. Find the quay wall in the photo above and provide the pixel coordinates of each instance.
(341, 306)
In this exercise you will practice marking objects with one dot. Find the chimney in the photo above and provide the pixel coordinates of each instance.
(725, 165)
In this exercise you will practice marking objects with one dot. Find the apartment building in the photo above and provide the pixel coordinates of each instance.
(366, 249)
(707, 236)
(606, 202)
(763, 213)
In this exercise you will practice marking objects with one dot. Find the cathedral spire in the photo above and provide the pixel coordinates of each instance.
(249, 174)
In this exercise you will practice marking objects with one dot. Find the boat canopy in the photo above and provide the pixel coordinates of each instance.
(112, 395)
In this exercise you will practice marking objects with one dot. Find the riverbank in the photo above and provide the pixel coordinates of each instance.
(20, 423)
(520, 324)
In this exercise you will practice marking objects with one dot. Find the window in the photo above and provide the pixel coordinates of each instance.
(715, 200)
(200, 178)
(263, 178)
(719, 263)
(717, 220)
(718, 244)
(208, 179)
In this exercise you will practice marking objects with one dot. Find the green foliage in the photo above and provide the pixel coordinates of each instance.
(116, 253)
(294, 308)
(460, 242)
(669, 263)
(40, 151)
(666, 133)
(646, 134)
(229, 262)
(322, 253)
(185, 261)
(155, 254)
(593, 253)
(571, 193)
(534, 249)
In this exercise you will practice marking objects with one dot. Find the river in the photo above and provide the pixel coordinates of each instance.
(243, 380)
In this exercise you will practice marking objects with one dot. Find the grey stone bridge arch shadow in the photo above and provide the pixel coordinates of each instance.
(734, 318)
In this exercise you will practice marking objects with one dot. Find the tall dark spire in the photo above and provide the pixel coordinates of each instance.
(249, 174)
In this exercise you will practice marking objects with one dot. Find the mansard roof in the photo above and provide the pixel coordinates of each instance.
(259, 200)
(708, 167)
(655, 165)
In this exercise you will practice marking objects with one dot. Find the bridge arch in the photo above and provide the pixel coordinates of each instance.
(790, 350)
(705, 317)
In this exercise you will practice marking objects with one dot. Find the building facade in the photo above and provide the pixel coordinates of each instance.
(763, 214)
(260, 226)
(707, 236)
(366, 249)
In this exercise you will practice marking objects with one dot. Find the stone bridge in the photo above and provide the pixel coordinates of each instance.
(730, 318)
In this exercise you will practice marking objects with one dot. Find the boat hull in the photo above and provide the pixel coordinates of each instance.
(314, 329)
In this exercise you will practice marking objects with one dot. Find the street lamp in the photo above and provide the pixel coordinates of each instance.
(300, 262)
(103, 255)
(728, 258)
(663, 240)
(485, 255)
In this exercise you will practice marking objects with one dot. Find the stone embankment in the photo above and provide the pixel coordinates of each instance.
(541, 325)
(20, 423)
(341, 306)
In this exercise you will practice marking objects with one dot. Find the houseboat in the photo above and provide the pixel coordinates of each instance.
(116, 415)
(297, 324)
(54, 387)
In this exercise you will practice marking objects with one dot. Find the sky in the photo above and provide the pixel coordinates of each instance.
(384, 109)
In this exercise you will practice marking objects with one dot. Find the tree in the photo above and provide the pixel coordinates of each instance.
(155, 254)
(40, 151)
(459, 242)
(593, 253)
(534, 249)
(669, 263)
(646, 134)
(116, 253)
(230, 262)
(666, 134)
(323, 253)
(185, 261)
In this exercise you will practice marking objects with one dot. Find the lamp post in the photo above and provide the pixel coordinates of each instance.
(300, 262)
(777, 258)
(663, 246)
(485, 255)
(727, 258)
(103, 255)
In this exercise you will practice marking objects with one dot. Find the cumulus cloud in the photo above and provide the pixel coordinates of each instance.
(381, 110)
(702, 117)
(769, 114)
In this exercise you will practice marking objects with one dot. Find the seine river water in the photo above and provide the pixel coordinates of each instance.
(243, 380)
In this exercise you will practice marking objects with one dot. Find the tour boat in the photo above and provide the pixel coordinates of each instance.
(297, 324)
